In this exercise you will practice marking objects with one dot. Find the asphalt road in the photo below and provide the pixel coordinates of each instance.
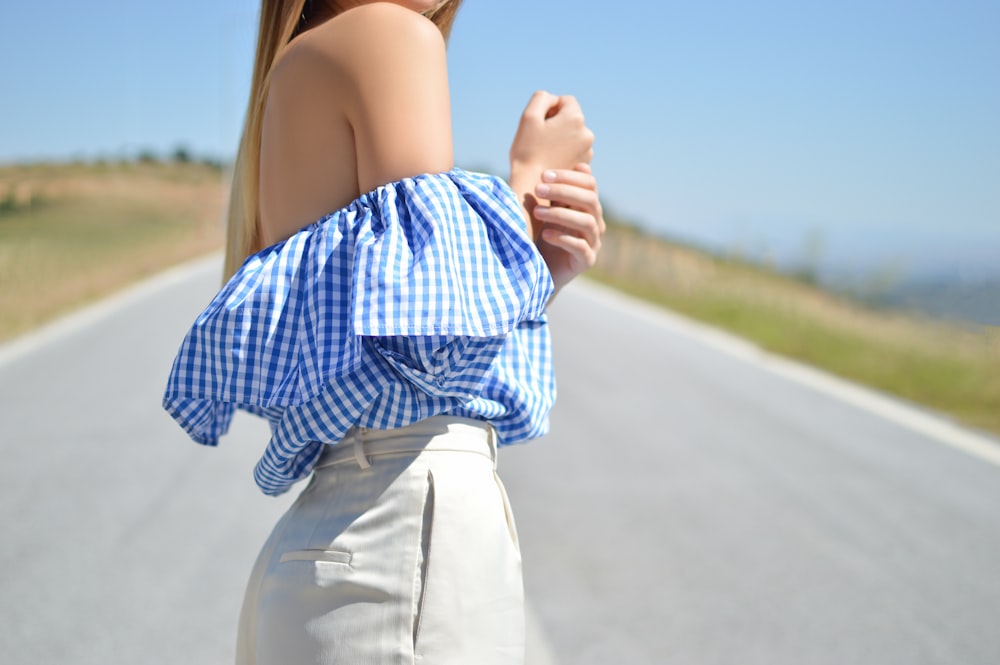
(695, 503)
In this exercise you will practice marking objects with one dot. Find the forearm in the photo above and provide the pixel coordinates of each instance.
(524, 177)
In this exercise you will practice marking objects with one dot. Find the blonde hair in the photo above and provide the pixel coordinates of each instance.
(280, 22)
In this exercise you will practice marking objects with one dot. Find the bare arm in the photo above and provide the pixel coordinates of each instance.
(550, 171)
(358, 101)
(400, 109)
(552, 134)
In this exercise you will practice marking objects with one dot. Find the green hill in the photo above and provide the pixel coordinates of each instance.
(70, 233)
(952, 369)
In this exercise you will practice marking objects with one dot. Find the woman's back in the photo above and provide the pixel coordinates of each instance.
(389, 323)
(358, 101)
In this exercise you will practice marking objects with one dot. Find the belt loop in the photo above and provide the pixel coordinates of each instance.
(359, 448)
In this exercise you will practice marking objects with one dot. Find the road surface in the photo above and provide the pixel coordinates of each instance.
(697, 502)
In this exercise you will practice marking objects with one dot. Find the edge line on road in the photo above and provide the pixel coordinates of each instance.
(99, 310)
(902, 413)
(538, 645)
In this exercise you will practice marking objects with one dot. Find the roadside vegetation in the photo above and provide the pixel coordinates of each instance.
(950, 368)
(70, 233)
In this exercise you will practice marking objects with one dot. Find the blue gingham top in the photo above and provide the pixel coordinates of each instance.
(424, 296)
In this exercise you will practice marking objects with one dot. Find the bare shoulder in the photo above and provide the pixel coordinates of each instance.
(386, 68)
(374, 80)
(364, 41)
(387, 22)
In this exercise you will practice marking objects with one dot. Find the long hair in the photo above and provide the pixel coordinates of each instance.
(280, 22)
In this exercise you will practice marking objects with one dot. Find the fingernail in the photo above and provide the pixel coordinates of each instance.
(550, 176)
(541, 210)
(543, 190)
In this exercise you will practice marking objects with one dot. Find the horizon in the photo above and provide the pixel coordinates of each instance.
(859, 137)
(969, 297)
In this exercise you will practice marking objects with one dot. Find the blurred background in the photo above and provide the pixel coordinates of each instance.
(856, 142)
(821, 180)
(782, 170)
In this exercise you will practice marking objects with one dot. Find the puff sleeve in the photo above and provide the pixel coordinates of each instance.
(411, 290)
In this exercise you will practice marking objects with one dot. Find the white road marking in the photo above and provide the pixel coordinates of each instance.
(901, 413)
(539, 649)
(904, 414)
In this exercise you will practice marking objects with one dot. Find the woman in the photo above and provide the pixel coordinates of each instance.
(388, 320)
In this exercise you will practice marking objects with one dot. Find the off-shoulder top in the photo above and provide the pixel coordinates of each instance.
(424, 296)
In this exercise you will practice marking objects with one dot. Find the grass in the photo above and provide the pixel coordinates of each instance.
(72, 233)
(951, 369)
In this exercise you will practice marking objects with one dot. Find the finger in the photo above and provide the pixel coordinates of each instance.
(579, 223)
(580, 198)
(570, 177)
(585, 256)
(568, 111)
(580, 176)
(540, 104)
(569, 103)
(585, 167)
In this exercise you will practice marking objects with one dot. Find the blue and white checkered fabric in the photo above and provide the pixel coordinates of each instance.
(424, 296)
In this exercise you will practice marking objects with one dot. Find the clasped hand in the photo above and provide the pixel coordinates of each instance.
(550, 172)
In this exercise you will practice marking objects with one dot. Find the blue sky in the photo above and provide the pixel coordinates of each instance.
(867, 131)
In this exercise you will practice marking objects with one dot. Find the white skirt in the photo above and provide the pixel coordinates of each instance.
(401, 549)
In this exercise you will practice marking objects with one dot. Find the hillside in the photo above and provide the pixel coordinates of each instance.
(70, 233)
(953, 369)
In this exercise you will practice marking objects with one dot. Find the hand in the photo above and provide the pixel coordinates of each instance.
(552, 134)
(572, 225)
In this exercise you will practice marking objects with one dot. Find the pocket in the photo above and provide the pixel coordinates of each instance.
(324, 556)
(508, 513)
(420, 578)
(471, 607)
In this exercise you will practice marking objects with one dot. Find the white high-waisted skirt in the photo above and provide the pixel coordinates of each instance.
(401, 549)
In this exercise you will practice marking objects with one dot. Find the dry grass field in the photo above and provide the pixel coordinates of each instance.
(72, 233)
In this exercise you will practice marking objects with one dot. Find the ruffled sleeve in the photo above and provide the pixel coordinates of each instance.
(410, 289)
